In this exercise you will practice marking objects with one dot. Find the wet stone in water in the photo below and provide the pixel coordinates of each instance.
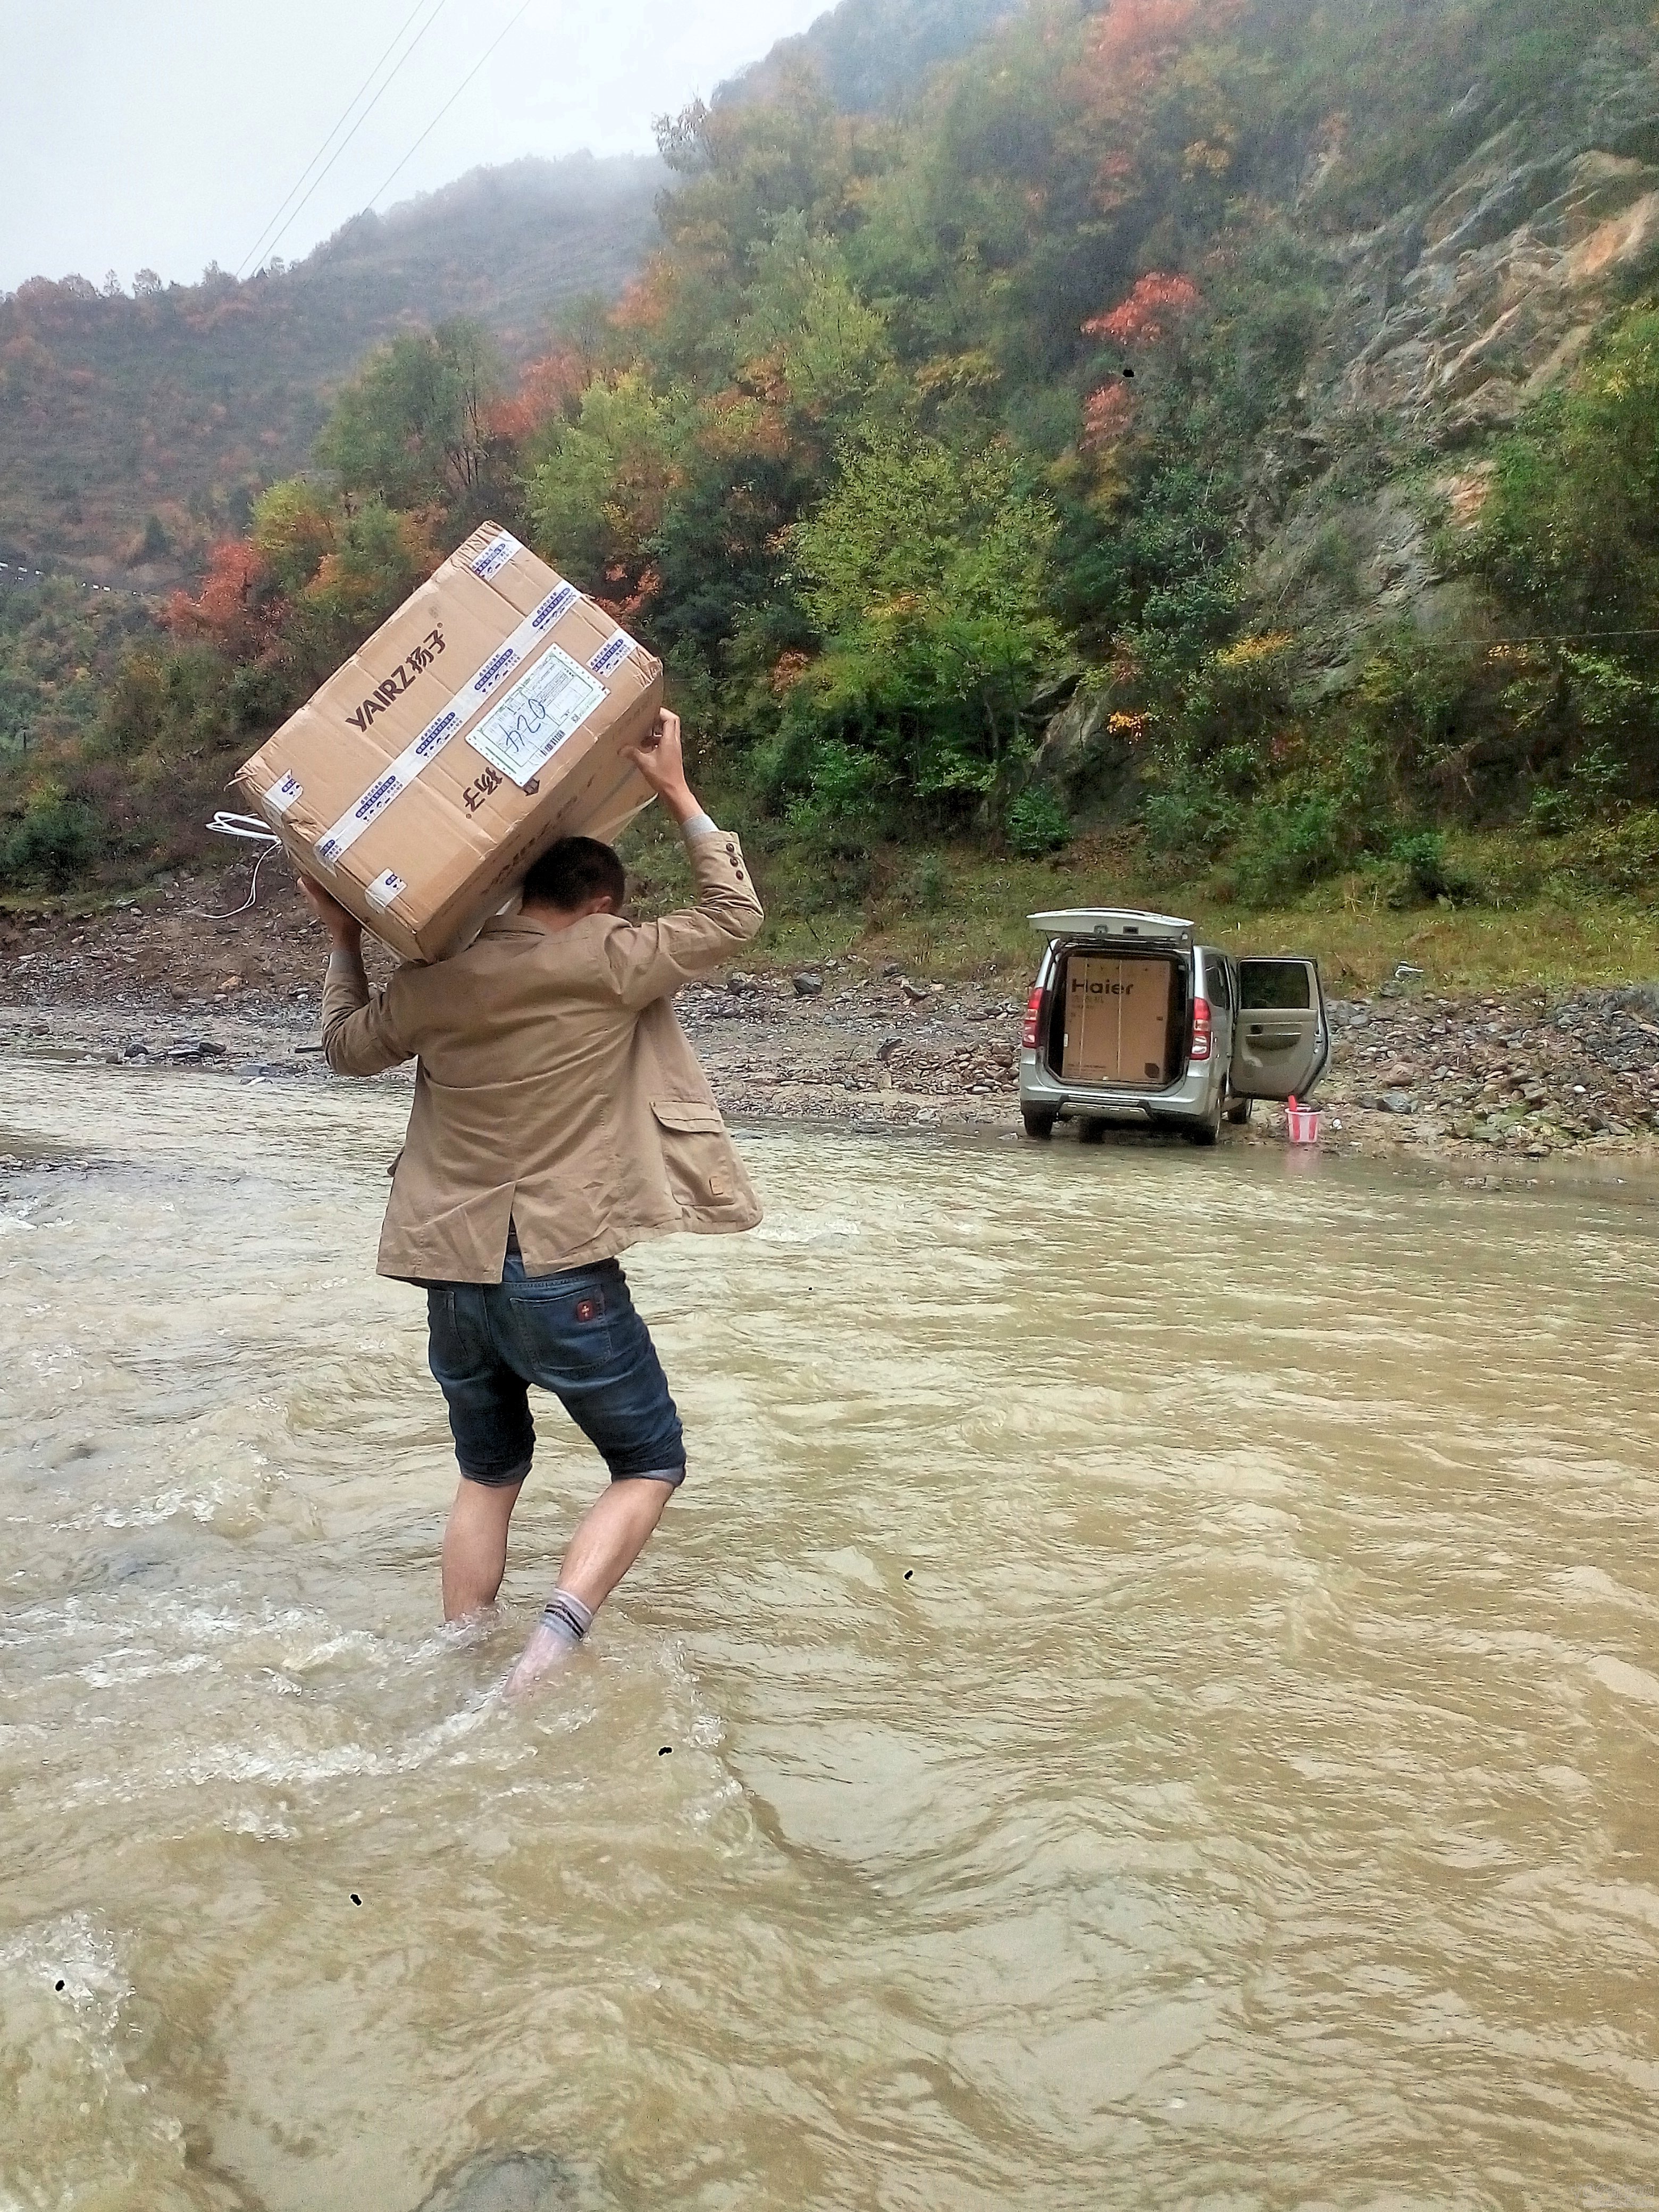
(519, 2181)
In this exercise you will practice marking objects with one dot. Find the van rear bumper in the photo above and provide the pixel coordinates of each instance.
(1044, 1093)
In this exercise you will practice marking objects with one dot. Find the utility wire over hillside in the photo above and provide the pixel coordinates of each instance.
(289, 213)
(452, 99)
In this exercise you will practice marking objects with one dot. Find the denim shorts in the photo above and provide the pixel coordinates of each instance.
(574, 1333)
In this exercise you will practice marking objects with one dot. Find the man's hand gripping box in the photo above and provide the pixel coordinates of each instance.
(482, 720)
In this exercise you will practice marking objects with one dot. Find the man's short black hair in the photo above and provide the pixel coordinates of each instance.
(573, 872)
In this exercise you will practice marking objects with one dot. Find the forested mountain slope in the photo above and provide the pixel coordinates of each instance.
(1229, 427)
(871, 55)
(134, 430)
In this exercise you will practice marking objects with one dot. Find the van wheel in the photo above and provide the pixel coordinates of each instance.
(1238, 1110)
(1209, 1129)
(1091, 1133)
(1036, 1125)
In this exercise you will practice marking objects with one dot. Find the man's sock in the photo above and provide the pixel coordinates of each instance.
(565, 1620)
(567, 1617)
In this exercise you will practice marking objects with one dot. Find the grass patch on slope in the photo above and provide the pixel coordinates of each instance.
(953, 913)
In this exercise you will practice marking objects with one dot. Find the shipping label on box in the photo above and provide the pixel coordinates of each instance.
(484, 719)
(544, 706)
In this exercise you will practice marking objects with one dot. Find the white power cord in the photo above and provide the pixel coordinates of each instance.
(257, 832)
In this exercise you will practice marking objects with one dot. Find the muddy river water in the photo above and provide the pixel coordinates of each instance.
(1149, 1697)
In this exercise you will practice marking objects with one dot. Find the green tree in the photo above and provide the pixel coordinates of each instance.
(376, 559)
(294, 526)
(1571, 530)
(811, 364)
(744, 167)
(596, 496)
(807, 339)
(412, 429)
(1569, 541)
(53, 843)
(927, 573)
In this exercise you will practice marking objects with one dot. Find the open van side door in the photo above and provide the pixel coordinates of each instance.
(1281, 1038)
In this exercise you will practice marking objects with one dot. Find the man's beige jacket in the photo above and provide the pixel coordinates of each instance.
(553, 1087)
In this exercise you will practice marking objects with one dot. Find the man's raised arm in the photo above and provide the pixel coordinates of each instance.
(358, 1036)
(653, 958)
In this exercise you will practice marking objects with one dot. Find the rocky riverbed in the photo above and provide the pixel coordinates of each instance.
(1494, 1081)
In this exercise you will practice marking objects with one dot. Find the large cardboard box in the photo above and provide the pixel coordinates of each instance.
(1118, 1018)
(484, 719)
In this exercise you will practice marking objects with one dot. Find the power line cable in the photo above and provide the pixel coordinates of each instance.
(345, 112)
(362, 119)
(452, 98)
(286, 216)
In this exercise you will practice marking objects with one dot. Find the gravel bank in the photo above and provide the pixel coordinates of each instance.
(174, 979)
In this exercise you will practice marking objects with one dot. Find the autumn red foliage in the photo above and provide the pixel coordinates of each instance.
(1131, 57)
(1153, 312)
(629, 596)
(645, 302)
(548, 389)
(1134, 42)
(1107, 415)
(235, 611)
(1151, 315)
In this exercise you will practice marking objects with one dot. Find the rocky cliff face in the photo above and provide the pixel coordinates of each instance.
(1451, 317)
(1512, 268)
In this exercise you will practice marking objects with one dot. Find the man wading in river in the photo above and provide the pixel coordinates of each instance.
(560, 1114)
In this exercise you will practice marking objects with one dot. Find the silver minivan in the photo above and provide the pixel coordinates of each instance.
(1230, 1029)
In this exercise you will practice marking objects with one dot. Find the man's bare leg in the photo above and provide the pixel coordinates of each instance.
(475, 1546)
(609, 1538)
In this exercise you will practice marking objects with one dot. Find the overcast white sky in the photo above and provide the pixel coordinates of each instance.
(164, 134)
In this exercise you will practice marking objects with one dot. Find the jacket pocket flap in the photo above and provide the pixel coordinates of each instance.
(687, 1115)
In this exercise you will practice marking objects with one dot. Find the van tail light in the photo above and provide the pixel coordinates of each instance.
(1028, 1035)
(1200, 1029)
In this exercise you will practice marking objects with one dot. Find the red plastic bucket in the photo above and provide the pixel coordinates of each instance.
(1302, 1125)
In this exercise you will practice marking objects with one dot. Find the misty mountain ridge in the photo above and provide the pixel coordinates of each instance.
(869, 55)
(134, 429)
(137, 429)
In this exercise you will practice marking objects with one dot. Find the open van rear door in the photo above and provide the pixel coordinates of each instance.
(1115, 925)
(1281, 1039)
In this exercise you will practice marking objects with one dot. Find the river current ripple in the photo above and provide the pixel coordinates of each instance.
(1150, 1696)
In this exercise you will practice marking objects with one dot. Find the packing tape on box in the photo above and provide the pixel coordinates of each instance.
(577, 704)
(384, 889)
(496, 554)
(613, 650)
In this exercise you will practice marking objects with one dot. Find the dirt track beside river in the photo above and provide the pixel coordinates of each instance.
(1490, 1082)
